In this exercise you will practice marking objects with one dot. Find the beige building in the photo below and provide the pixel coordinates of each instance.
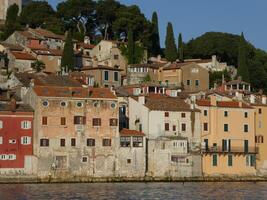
(20, 61)
(228, 137)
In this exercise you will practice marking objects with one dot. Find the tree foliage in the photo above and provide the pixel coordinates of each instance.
(170, 46)
(180, 48)
(155, 50)
(67, 61)
(242, 68)
(38, 66)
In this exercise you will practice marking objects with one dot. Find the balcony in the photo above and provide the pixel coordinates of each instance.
(233, 150)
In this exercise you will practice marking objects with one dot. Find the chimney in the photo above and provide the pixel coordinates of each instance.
(86, 40)
(213, 100)
(13, 104)
(141, 99)
(263, 99)
(252, 99)
(213, 61)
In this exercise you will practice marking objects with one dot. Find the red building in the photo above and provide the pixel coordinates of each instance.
(16, 132)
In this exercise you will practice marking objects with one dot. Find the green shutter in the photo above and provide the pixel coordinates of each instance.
(230, 160)
(214, 160)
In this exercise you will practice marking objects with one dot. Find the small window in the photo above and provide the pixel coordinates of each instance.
(137, 141)
(116, 76)
(196, 82)
(62, 142)
(25, 140)
(166, 114)
(3, 157)
(26, 124)
(183, 115)
(260, 111)
(96, 104)
(90, 142)
(225, 127)
(84, 159)
(173, 128)
(188, 82)
(63, 103)
(230, 160)
(125, 141)
(113, 122)
(79, 120)
(183, 125)
(44, 142)
(106, 142)
(106, 75)
(113, 105)
(246, 114)
(1, 124)
(45, 103)
(11, 157)
(205, 126)
(96, 121)
(226, 113)
(214, 160)
(129, 161)
(63, 121)
(245, 128)
(116, 57)
(79, 104)
(44, 120)
(73, 142)
(205, 113)
(167, 128)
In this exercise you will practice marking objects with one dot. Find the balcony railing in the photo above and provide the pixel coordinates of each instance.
(237, 150)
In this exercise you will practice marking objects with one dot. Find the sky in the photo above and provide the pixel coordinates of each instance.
(195, 17)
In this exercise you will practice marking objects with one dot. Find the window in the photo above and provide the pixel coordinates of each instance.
(246, 146)
(116, 57)
(84, 159)
(246, 114)
(79, 104)
(225, 127)
(183, 125)
(166, 114)
(260, 111)
(179, 159)
(214, 160)
(113, 122)
(196, 82)
(245, 128)
(1, 124)
(3, 157)
(1, 140)
(137, 141)
(106, 142)
(205, 113)
(61, 162)
(173, 128)
(96, 121)
(73, 142)
(116, 76)
(44, 120)
(45, 103)
(129, 161)
(25, 140)
(79, 120)
(90, 142)
(167, 127)
(205, 127)
(44, 142)
(11, 157)
(183, 115)
(25, 124)
(250, 160)
(224, 145)
(63, 121)
(259, 139)
(230, 160)
(99, 47)
(113, 105)
(62, 142)
(125, 141)
(188, 82)
(106, 75)
(63, 103)
(226, 113)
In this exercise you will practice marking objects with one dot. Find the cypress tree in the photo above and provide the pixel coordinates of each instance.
(180, 48)
(242, 69)
(67, 61)
(170, 46)
(156, 50)
(11, 23)
(130, 47)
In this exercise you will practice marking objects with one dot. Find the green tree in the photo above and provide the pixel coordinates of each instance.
(155, 50)
(242, 69)
(12, 22)
(38, 66)
(180, 48)
(170, 46)
(147, 78)
(67, 61)
(37, 14)
(130, 47)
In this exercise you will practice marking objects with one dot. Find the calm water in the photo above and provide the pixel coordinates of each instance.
(137, 191)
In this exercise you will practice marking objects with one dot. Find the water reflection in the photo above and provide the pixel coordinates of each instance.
(134, 191)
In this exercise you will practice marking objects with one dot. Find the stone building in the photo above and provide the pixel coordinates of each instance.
(4, 5)
(20, 61)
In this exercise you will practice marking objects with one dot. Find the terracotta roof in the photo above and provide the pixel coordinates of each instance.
(28, 35)
(12, 47)
(100, 93)
(49, 52)
(101, 67)
(84, 45)
(152, 65)
(127, 132)
(56, 80)
(46, 33)
(175, 65)
(165, 103)
(22, 55)
(226, 104)
(236, 82)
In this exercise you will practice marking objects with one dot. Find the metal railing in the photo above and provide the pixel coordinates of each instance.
(219, 149)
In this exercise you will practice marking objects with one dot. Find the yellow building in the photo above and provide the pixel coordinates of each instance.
(228, 136)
